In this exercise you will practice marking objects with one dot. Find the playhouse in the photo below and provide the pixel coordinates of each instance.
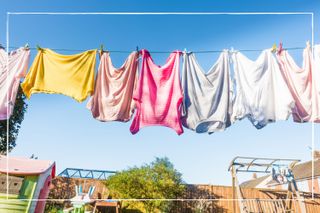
(28, 181)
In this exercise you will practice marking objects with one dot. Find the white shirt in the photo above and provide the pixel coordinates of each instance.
(261, 92)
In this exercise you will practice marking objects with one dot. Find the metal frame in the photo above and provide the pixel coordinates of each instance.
(245, 164)
(86, 173)
(267, 163)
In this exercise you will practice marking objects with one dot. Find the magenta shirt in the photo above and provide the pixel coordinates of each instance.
(158, 95)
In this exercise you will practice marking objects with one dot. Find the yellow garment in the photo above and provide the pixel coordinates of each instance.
(71, 75)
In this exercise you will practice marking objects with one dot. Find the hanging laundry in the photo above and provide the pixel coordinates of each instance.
(207, 99)
(18, 61)
(316, 85)
(112, 98)
(299, 81)
(158, 95)
(70, 75)
(261, 92)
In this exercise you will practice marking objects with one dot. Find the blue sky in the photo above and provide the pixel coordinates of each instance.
(58, 128)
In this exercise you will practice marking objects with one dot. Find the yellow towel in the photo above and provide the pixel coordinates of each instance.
(71, 75)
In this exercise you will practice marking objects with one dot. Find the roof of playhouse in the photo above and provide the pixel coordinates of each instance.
(25, 166)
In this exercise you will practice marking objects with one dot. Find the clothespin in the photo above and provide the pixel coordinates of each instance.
(308, 44)
(185, 51)
(137, 50)
(26, 47)
(38, 47)
(101, 50)
(280, 48)
(274, 48)
(1, 47)
(232, 50)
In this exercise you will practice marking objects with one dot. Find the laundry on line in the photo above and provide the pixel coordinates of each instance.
(264, 90)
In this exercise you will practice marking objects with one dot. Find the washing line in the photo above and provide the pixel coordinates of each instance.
(155, 51)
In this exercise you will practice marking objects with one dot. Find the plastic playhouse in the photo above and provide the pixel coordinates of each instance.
(28, 181)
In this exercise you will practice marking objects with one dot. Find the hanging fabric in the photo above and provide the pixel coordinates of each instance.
(261, 92)
(112, 98)
(158, 95)
(10, 78)
(70, 75)
(316, 85)
(207, 99)
(299, 81)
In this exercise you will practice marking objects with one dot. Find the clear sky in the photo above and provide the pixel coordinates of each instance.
(58, 128)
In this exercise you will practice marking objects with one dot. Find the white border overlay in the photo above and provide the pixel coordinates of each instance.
(153, 13)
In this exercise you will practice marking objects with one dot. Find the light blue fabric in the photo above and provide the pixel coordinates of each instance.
(207, 99)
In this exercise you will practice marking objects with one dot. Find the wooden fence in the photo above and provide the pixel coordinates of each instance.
(256, 200)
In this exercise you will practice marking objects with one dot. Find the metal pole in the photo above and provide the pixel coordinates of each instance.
(233, 174)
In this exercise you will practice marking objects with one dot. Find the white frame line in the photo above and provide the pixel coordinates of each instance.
(7, 86)
(164, 199)
(154, 13)
(160, 13)
(312, 124)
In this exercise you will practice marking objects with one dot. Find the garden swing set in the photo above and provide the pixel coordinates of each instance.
(281, 173)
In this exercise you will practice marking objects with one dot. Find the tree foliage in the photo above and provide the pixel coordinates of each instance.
(157, 180)
(14, 123)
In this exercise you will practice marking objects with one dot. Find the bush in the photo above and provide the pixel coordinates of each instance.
(157, 180)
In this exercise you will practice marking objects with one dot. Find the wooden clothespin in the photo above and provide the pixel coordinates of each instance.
(274, 48)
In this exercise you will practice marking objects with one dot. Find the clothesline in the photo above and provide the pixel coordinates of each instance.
(271, 88)
(156, 51)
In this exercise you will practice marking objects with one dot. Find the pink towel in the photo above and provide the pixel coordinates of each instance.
(112, 98)
(10, 79)
(299, 81)
(158, 95)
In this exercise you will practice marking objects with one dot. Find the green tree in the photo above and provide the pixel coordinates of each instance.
(14, 124)
(157, 180)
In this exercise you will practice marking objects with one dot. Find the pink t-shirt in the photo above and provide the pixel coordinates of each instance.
(112, 98)
(299, 81)
(158, 95)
